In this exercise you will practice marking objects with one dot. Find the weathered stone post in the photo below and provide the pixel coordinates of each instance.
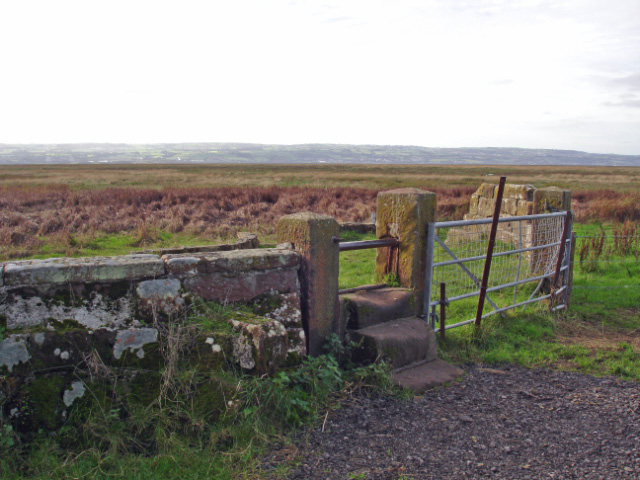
(310, 234)
(404, 213)
(551, 199)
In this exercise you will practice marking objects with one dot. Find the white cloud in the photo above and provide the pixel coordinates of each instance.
(434, 73)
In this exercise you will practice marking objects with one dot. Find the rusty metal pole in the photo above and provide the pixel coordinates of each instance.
(492, 241)
(443, 308)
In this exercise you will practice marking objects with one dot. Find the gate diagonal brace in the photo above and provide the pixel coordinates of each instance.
(468, 272)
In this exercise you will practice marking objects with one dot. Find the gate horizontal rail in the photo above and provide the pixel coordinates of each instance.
(487, 221)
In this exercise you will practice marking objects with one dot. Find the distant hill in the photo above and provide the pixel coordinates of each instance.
(190, 153)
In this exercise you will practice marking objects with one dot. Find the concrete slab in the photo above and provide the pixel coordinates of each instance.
(427, 375)
(401, 342)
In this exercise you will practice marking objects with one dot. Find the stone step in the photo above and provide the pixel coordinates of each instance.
(426, 375)
(370, 307)
(400, 342)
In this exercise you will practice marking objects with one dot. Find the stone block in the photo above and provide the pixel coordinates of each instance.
(404, 214)
(261, 347)
(551, 199)
(232, 262)
(56, 271)
(473, 204)
(283, 307)
(311, 235)
(161, 298)
(486, 190)
(243, 286)
(519, 192)
(401, 342)
(510, 206)
(371, 307)
(88, 305)
(183, 265)
(525, 207)
(485, 207)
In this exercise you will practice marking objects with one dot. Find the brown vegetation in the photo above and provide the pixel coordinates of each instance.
(27, 215)
(44, 204)
(606, 205)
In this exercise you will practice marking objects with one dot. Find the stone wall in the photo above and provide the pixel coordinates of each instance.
(61, 317)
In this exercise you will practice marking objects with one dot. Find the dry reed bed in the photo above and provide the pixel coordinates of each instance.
(30, 216)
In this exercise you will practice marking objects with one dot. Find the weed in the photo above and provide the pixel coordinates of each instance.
(357, 475)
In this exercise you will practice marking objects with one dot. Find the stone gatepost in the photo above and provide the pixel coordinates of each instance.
(551, 199)
(404, 214)
(311, 235)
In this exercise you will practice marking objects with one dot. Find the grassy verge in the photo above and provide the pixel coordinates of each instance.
(539, 339)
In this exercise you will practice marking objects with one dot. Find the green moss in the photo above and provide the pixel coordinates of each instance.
(3, 322)
(293, 359)
(41, 403)
(66, 325)
(144, 388)
(265, 303)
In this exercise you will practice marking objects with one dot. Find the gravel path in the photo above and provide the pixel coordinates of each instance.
(501, 424)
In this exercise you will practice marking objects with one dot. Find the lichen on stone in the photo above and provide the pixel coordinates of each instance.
(13, 350)
(77, 390)
(134, 339)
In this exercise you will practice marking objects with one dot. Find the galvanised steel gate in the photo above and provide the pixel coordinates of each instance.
(528, 262)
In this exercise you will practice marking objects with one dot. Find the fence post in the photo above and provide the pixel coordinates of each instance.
(492, 241)
(443, 308)
(311, 235)
(405, 213)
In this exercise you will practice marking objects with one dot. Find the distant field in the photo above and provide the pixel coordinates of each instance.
(328, 175)
(78, 210)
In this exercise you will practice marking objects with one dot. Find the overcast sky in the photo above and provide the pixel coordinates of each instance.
(439, 73)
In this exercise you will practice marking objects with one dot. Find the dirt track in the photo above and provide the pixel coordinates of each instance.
(500, 424)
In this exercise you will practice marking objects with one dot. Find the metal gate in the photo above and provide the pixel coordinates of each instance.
(527, 262)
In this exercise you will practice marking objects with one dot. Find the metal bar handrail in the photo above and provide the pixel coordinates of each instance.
(364, 244)
(484, 221)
